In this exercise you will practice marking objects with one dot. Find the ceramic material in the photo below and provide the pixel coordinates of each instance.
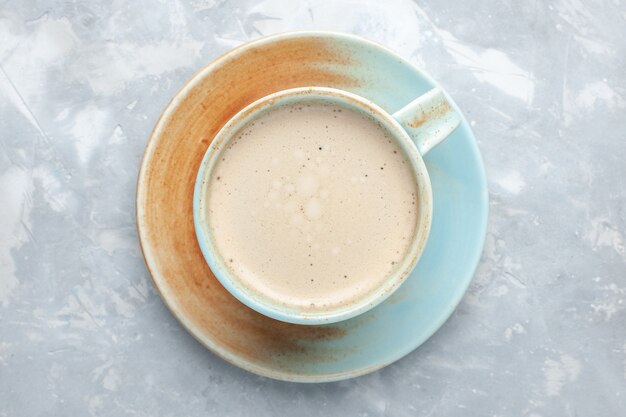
(243, 336)
(428, 120)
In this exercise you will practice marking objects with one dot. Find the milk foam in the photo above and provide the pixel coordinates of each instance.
(312, 206)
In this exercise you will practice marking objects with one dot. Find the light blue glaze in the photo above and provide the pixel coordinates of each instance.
(437, 284)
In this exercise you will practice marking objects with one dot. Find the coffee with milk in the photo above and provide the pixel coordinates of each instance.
(312, 205)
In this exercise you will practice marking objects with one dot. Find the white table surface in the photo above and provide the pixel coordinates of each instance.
(542, 330)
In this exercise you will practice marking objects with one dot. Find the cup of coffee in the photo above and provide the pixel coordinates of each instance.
(312, 205)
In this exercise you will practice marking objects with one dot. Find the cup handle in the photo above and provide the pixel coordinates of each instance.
(428, 119)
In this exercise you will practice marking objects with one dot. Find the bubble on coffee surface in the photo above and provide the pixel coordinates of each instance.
(313, 209)
(325, 224)
(306, 185)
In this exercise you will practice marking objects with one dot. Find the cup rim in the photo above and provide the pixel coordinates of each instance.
(255, 300)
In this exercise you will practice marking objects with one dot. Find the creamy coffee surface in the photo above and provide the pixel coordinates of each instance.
(312, 205)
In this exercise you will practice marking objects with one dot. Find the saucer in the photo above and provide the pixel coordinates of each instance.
(239, 334)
